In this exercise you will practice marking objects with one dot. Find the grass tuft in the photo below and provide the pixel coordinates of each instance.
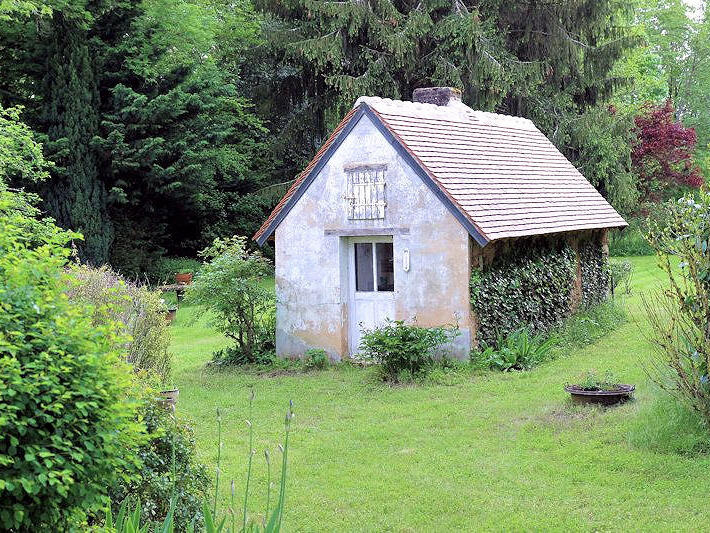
(667, 425)
(590, 325)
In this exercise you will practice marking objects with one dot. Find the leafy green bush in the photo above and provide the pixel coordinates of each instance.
(679, 316)
(66, 425)
(404, 351)
(620, 272)
(166, 268)
(527, 288)
(316, 359)
(230, 288)
(169, 472)
(518, 351)
(139, 311)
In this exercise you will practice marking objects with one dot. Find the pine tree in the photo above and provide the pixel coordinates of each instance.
(547, 60)
(181, 148)
(75, 196)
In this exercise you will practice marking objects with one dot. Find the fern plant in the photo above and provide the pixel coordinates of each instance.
(518, 351)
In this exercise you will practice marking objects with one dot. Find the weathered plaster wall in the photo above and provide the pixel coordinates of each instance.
(312, 288)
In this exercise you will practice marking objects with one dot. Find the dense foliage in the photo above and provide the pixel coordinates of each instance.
(138, 311)
(69, 116)
(545, 61)
(663, 153)
(528, 287)
(173, 122)
(66, 422)
(169, 471)
(404, 351)
(680, 315)
(595, 273)
(157, 148)
(230, 287)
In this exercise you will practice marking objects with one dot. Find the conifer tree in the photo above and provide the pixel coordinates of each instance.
(75, 196)
(546, 60)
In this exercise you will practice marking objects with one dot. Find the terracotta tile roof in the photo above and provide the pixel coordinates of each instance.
(501, 173)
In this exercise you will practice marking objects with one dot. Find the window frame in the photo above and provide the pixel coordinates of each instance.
(373, 241)
(366, 191)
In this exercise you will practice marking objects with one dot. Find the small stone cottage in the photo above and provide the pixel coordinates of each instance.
(431, 211)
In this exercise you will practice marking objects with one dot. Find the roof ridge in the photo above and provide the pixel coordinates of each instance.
(449, 112)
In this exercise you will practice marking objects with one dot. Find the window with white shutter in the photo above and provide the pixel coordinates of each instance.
(365, 197)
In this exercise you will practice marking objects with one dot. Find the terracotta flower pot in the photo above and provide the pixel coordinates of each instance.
(170, 398)
(183, 278)
(605, 397)
(170, 315)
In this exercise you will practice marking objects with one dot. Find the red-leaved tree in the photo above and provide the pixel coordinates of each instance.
(663, 154)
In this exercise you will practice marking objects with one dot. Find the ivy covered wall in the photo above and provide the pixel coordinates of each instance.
(525, 287)
(536, 283)
(595, 272)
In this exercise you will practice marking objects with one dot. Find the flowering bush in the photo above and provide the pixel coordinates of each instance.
(680, 315)
(139, 311)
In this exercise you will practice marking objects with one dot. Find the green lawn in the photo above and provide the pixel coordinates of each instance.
(494, 451)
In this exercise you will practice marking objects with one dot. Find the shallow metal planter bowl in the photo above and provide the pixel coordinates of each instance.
(604, 397)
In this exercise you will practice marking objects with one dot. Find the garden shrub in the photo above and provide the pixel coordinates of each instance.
(166, 267)
(595, 273)
(679, 316)
(527, 288)
(139, 311)
(316, 359)
(168, 471)
(404, 351)
(517, 351)
(230, 288)
(620, 272)
(66, 422)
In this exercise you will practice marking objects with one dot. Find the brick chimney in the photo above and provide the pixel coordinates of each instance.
(436, 95)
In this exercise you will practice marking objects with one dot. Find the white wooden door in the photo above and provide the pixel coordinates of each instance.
(372, 281)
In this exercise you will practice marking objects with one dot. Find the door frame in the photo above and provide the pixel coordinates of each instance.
(353, 326)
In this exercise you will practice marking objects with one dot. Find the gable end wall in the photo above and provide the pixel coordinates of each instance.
(312, 282)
